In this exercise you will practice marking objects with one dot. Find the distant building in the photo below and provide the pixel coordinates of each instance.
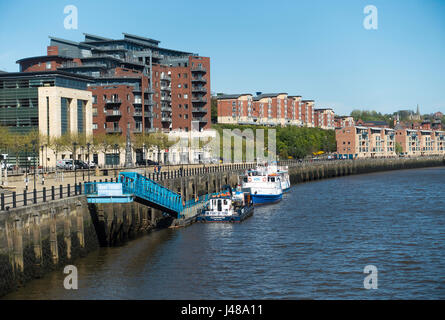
(324, 118)
(267, 109)
(53, 103)
(343, 121)
(421, 142)
(377, 124)
(365, 142)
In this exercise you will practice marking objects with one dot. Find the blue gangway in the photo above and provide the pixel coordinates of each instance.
(132, 186)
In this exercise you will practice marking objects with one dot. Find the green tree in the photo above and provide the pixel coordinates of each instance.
(398, 148)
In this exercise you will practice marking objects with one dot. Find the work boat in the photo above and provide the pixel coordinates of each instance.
(283, 172)
(227, 207)
(264, 187)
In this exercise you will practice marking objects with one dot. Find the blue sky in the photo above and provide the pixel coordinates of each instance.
(317, 49)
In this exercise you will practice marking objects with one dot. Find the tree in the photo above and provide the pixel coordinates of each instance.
(398, 148)
(160, 141)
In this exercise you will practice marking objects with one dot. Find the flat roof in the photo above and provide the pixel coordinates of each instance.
(231, 96)
(44, 74)
(44, 58)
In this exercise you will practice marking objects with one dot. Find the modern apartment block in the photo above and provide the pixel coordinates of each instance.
(53, 103)
(421, 142)
(268, 109)
(136, 85)
(343, 121)
(365, 142)
(324, 118)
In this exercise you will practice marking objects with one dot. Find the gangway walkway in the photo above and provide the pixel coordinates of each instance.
(132, 186)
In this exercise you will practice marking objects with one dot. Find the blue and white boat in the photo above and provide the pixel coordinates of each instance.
(283, 172)
(264, 187)
(227, 207)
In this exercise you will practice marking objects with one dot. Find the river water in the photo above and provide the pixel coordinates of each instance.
(314, 244)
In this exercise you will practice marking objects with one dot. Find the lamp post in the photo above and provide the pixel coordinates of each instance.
(34, 144)
(41, 148)
(26, 167)
(83, 169)
(88, 151)
(115, 149)
(74, 164)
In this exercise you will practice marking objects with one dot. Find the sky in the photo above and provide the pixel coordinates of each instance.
(313, 48)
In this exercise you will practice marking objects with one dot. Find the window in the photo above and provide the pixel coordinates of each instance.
(94, 126)
(179, 75)
(185, 75)
(186, 85)
(105, 97)
(185, 96)
(94, 99)
(179, 85)
(186, 116)
(179, 95)
(179, 106)
(48, 65)
(186, 106)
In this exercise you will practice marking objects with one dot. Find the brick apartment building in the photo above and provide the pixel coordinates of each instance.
(136, 85)
(269, 109)
(364, 142)
(343, 121)
(324, 118)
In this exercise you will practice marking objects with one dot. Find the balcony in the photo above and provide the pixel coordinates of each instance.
(204, 120)
(137, 130)
(149, 91)
(113, 113)
(166, 119)
(113, 101)
(165, 77)
(114, 130)
(148, 102)
(199, 89)
(147, 114)
(166, 88)
(199, 69)
(137, 114)
(199, 110)
(202, 80)
(166, 98)
(166, 108)
(199, 100)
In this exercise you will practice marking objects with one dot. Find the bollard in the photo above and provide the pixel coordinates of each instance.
(24, 197)
(53, 193)
(61, 191)
(35, 196)
(14, 199)
(44, 194)
(2, 201)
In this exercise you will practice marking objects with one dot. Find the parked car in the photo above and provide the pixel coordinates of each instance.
(65, 164)
(80, 164)
(8, 166)
(92, 164)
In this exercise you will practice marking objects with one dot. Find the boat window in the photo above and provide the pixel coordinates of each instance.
(245, 179)
(225, 202)
(219, 205)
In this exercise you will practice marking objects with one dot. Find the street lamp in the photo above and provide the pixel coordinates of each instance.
(88, 150)
(83, 169)
(115, 149)
(26, 167)
(34, 144)
(41, 147)
(74, 164)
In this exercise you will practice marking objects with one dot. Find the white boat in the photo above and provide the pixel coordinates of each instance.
(283, 172)
(264, 186)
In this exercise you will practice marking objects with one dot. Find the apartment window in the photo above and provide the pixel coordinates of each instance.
(94, 99)
(179, 106)
(186, 106)
(48, 65)
(179, 75)
(128, 97)
(186, 85)
(157, 74)
(94, 112)
(179, 85)
(105, 97)
(179, 95)
(185, 75)
(94, 126)
(180, 116)
(186, 116)
(185, 96)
